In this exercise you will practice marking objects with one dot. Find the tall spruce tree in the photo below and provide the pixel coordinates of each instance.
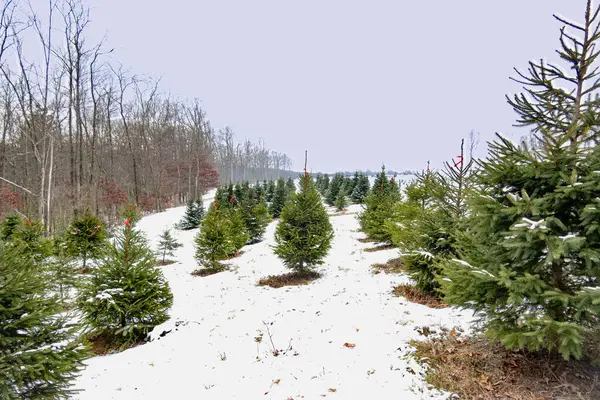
(193, 215)
(334, 187)
(39, 354)
(303, 236)
(341, 201)
(378, 209)
(361, 189)
(214, 242)
(86, 237)
(324, 185)
(270, 191)
(127, 296)
(290, 186)
(256, 218)
(279, 198)
(530, 260)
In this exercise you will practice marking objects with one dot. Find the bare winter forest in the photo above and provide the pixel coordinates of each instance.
(82, 131)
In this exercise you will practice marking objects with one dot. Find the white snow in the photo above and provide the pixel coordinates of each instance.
(218, 345)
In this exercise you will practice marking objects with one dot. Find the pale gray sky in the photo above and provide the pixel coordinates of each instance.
(356, 83)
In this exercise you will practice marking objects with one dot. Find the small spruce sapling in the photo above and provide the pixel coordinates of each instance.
(167, 245)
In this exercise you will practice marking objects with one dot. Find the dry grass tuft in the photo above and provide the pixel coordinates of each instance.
(289, 279)
(393, 266)
(414, 295)
(476, 368)
(202, 272)
(379, 248)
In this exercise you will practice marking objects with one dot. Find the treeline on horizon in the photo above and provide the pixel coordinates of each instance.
(80, 131)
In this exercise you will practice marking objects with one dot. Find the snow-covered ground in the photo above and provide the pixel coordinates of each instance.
(216, 344)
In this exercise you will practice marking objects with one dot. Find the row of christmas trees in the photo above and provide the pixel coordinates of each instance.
(514, 237)
(120, 300)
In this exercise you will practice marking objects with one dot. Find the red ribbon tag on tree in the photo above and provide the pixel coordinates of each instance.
(460, 161)
(128, 223)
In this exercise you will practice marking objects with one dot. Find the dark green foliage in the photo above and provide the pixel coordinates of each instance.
(85, 237)
(378, 210)
(239, 193)
(193, 214)
(167, 245)
(29, 236)
(424, 269)
(324, 187)
(214, 242)
(304, 233)
(39, 357)
(290, 186)
(334, 187)
(127, 296)
(221, 197)
(237, 232)
(9, 226)
(270, 191)
(361, 189)
(530, 259)
(256, 218)
(279, 198)
(341, 201)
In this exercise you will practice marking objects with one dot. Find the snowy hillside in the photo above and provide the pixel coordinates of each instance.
(344, 336)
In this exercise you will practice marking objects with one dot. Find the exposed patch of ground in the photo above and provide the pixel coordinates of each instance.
(476, 368)
(289, 279)
(202, 272)
(414, 295)
(392, 266)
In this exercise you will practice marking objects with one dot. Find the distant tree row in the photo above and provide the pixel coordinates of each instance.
(80, 131)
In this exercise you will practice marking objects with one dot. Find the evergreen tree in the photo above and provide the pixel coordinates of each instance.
(279, 198)
(349, 184)
(199, 203)
(290, 186)
(213, 241)
(221, 197)
(191, 218)
(324, 185)
(259, 193)
(303, 236)
(529, 258)
(127, 296)
(132, 213)
(378, 209)
(85, 237)
(39, 355)
(239, 193)
(62, 268)
(238, 234)
(334, 188)
(256, 218)
(167, 245)
(270, 191)
(361, 189)
(9, 226)
(29, 236)
(341, 201)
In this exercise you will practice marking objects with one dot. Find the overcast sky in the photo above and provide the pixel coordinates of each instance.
(356, 83)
